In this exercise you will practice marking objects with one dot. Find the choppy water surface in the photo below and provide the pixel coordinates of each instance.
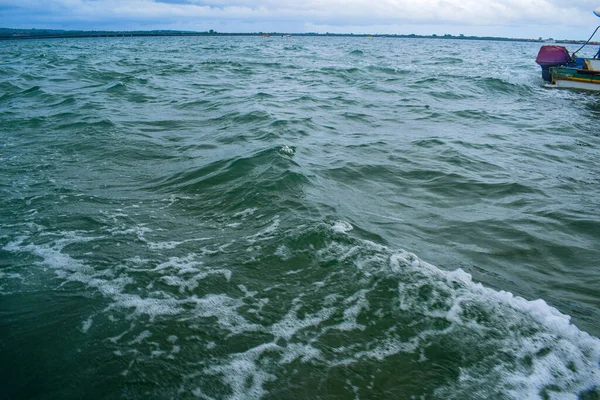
(280, 218)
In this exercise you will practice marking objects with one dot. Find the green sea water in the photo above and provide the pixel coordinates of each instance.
(295, 218)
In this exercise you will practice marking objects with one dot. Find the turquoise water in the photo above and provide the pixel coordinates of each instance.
(333, 218)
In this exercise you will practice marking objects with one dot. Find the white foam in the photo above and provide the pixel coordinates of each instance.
(358, 303)
(10, 275)
(152, 307)
(287, 150)
(138, 231)
(224, 309)
(52, 256)
(265, 234)
(208, 252)
(226, 245)
(560, 354)
(87, 324)
(547, 316)
(303, 352)
(183, 272)
(211, 345)
(283, 252)
(294, 272)
(201, 395)
(164, 245)
(572, 362)
(245, 213)
(172, 199)
(172, 339)
(120, 336)
(512, 325)
(342, 227)
(173, 244)
(290, 324)
(243, 372)
(180, 265)
(157, 353)
(190, 283)
(141, 337)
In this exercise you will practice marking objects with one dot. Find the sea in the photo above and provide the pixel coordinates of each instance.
(295, 218)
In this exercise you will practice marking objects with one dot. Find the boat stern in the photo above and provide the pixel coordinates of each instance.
(551, 56)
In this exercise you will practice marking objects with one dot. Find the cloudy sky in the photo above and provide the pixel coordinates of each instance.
(563, 19)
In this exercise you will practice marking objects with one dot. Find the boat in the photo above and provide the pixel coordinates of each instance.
(563, 70)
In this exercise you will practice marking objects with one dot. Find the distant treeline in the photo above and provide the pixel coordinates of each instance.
(11, 34)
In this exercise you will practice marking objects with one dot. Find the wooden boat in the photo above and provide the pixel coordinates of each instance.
(583, 74)
(563, 70)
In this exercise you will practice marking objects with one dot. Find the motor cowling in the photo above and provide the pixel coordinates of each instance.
(551, 56)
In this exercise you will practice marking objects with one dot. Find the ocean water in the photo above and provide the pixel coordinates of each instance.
(295, 218)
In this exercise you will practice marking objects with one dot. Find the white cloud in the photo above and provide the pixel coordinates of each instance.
(468, 16)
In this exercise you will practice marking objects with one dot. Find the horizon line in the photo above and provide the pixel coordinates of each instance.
(21, 33)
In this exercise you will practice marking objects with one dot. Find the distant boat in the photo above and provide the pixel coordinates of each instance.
(563, 70)
(266, 35)
(369, 37)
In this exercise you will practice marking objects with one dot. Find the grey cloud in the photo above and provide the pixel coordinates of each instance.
(464, 13)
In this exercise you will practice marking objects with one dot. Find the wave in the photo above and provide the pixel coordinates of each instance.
(294, 47)
(222, 218)
(365, 307)
(389, 70)
(447, 61)
(497, 85)
(267, 177)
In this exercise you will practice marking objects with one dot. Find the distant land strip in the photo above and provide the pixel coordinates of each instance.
(20, 34)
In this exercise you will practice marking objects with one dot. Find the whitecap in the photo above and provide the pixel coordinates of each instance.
(287, 150)
(342, 227)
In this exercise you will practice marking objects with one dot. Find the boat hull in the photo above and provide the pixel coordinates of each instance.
(565, 84)
(571, 78)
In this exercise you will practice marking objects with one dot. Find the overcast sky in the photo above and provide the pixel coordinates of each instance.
(562, 19)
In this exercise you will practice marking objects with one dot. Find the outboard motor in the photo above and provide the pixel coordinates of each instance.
(551, 56)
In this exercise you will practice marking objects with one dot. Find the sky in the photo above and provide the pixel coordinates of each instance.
(559, 19)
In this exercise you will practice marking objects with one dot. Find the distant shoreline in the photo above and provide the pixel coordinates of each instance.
(28, 34)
